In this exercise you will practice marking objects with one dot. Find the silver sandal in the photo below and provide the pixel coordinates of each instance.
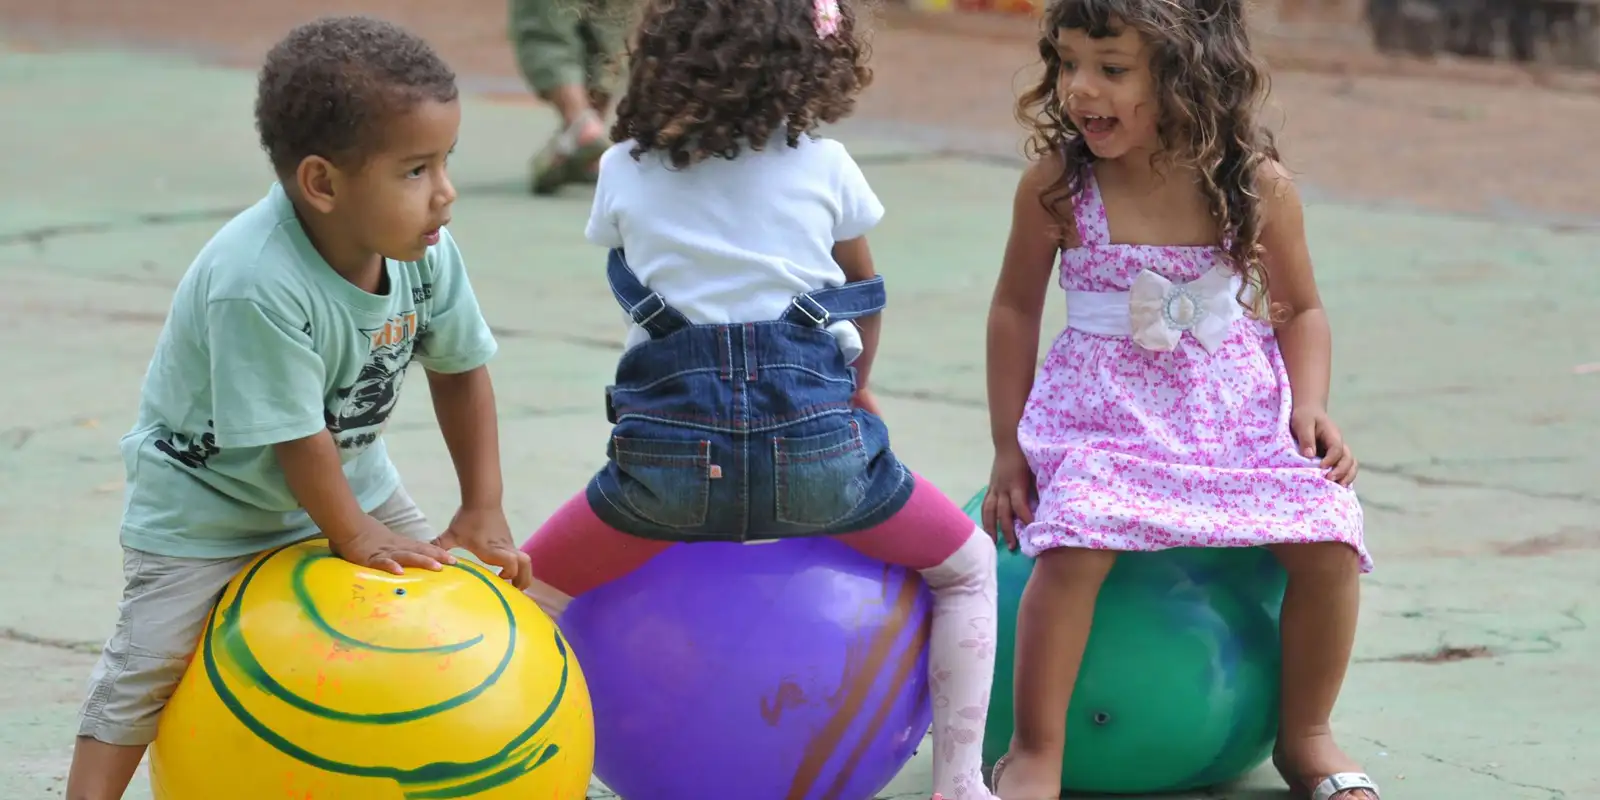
(1334, 784)
(995, 772)
(1328, 788)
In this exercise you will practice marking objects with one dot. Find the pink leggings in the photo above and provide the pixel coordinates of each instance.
(574, 552)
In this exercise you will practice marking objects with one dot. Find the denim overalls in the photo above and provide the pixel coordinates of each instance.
(743, 431)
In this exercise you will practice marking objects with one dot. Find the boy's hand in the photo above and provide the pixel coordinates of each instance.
(486, 534)
(373, 545)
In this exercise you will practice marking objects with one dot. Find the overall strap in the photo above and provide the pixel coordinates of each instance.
(647, 308)
(818, 309)
(824, 307)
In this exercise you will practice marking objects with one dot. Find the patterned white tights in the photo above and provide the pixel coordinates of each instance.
(961, 665)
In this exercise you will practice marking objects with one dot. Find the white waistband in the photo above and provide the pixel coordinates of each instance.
(1099, 313)
(1156, 312)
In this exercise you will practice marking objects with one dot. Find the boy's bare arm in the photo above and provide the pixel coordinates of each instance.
(315, 475)
(464, 405)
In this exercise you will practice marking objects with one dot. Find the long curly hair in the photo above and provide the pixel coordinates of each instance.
(708, 78)
(1210, 86)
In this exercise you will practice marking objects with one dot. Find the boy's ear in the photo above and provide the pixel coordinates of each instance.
(318, 181)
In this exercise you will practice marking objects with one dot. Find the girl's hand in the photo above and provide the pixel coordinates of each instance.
(1009, 498)
(865, 401)
(1316, 436)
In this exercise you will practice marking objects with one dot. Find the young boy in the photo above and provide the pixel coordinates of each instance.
(282, 357)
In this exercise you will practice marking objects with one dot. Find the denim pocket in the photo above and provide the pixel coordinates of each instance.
(820, 479)
(665, 481)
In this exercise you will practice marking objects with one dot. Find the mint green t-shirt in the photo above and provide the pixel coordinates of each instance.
(265, 343)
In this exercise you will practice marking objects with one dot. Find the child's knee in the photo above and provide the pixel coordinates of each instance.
(1075, 566)
(552, 601)
(1318, 560)
(971, 566)
(127, 693)
(163, 611)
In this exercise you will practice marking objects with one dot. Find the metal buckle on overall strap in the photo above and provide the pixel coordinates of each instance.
(820, 319)
(637, 310)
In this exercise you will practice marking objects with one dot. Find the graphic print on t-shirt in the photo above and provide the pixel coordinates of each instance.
(190, 452)
(365, 405)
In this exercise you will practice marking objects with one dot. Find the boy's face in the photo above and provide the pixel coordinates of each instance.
(1107, 90)
(401, 196)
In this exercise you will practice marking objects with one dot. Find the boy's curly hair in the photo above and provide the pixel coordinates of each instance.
(708, 78)
(1210, 86)
(328, 88)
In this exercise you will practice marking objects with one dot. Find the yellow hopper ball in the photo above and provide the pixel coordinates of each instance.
(316, 679)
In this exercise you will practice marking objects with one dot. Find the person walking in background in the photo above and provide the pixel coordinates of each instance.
(566, 50)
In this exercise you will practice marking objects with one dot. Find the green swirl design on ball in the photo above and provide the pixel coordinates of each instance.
(439, 780)
(302, 595)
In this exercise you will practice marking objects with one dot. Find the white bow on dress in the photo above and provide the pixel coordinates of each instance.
(1159, 311)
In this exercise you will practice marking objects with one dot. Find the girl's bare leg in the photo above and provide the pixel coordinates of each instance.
(1318, 628)
(1052, 631)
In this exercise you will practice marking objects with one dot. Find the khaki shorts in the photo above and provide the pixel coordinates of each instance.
(164, 606)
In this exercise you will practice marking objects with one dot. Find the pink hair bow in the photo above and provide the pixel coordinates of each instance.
(828, 15)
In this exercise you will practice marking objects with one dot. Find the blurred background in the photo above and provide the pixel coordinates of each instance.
(1478, 106)
(1446, 150)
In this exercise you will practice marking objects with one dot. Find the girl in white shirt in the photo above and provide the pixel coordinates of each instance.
(741, 406)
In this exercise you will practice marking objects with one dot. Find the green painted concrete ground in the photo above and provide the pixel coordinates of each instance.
(1460, 377)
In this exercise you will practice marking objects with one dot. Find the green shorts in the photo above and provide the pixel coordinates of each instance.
(568, 42)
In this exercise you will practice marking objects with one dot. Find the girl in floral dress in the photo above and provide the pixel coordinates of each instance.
(1185, 405)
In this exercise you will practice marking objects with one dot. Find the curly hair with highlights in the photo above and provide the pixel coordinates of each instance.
(1210, 87)
(330, 87)
(709, 78)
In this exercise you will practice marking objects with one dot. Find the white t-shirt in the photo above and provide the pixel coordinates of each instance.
(727, 241)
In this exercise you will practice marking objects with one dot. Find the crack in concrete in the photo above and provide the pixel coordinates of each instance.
(1425, 481)
(1487, 772)
(1443, 654)
(513, 413)
(1547, 641)
(937, 398)
(18, 437)
(1554, 793)
(38, 236)
(14, 635)
(1534, 643)
(615, 346)
(1384, 505)
(610, 345)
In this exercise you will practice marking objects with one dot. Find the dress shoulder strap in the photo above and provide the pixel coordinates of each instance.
(1089, 212)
